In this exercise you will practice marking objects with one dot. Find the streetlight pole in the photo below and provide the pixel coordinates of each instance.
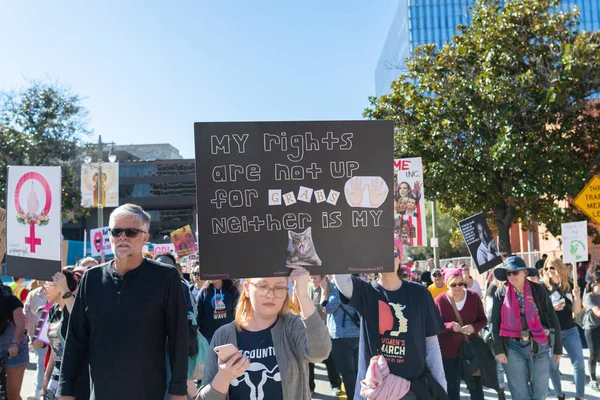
(436, 254)
(100, 184)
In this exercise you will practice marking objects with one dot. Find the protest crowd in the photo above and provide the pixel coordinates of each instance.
(140, 328)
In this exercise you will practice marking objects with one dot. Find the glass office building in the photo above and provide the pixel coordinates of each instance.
(420, 22)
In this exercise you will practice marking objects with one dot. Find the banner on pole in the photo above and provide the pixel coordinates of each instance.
(110, 185)
(33, 222)
(409, 202)
(100, 241)
(574, 241)
(480, 242)
(316, 194)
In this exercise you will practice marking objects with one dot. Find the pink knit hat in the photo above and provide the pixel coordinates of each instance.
(451, 273)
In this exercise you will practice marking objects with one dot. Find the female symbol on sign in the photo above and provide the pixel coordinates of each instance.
(31, 217)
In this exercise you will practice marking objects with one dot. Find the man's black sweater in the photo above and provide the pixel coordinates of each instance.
(126, 324)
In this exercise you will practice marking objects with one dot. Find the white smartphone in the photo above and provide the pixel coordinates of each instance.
(226, 351)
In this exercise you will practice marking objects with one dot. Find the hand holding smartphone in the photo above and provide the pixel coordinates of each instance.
(225, 352)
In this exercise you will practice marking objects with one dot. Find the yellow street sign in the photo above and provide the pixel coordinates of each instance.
(588, 200)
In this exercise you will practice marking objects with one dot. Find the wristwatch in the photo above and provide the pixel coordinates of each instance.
(67, 295)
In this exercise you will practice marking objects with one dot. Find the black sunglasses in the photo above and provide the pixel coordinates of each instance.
(457, 284)
(549, 268)
(436, 275)
(513, 273)
(405, 276)
(129, 232)
(196, 273)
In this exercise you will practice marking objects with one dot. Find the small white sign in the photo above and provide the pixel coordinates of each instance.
(333, 197)
(164, 248)
(433, 242)
(289, 198)
(100, 241)
(305, 194)
(574, 241)
(320, 196)
(274, 197)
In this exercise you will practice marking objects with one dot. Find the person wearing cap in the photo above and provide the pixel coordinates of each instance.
(415, 275)
(438, 286)
(522, 320)
(467, 304)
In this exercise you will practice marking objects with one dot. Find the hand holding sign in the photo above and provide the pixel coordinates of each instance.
(377, 192)
(355, 192)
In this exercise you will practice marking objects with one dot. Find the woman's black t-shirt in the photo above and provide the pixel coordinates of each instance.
(262, 380)
(565, 316)
(7, 307)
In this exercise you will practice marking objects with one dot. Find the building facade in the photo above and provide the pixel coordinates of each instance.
(419, 22)
(165, 188)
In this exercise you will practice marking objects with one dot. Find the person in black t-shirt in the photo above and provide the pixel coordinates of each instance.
(566, 300)
(13, 342)
(400, 321)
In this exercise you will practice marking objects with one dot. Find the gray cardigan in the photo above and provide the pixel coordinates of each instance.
(296, 341)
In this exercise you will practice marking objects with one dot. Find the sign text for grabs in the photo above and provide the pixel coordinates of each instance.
(296, 146)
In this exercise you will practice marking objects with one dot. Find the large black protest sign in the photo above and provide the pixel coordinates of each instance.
(480, 242)
(316, 194)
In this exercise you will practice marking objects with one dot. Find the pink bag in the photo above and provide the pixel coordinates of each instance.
(379, 384)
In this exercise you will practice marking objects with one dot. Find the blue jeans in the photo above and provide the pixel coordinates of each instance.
(41, 357)
(572, 344)
(453, 381)
(527, 372)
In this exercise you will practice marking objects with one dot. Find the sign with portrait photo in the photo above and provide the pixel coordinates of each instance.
(409, 202)
(480, 242)
(315, 194)
(184, 241)
(110, 185)
(33, 222)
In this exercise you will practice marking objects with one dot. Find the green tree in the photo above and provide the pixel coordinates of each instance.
(501, 114)
(447, 233)
(43, 125)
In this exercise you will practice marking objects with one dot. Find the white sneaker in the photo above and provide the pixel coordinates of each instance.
(34, 396)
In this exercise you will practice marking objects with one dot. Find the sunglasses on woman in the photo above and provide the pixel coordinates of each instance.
(453, 285)
(512, 273)
(129, 232)
(436, 275)
(551, 268)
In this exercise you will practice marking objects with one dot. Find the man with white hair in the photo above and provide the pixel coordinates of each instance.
(125, 311)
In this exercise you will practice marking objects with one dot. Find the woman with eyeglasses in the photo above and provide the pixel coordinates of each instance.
(472, 320)
(522, 319)
(275, 345)
(216, 305)
(566, 300)
(591, 325)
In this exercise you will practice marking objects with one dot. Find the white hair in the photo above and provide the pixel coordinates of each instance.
(130, 210)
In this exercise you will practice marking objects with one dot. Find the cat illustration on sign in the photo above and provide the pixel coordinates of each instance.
(301, 249)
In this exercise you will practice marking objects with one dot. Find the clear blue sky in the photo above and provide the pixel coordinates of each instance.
(149, 69)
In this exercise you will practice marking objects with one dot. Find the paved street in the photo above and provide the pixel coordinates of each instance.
(323, 391)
